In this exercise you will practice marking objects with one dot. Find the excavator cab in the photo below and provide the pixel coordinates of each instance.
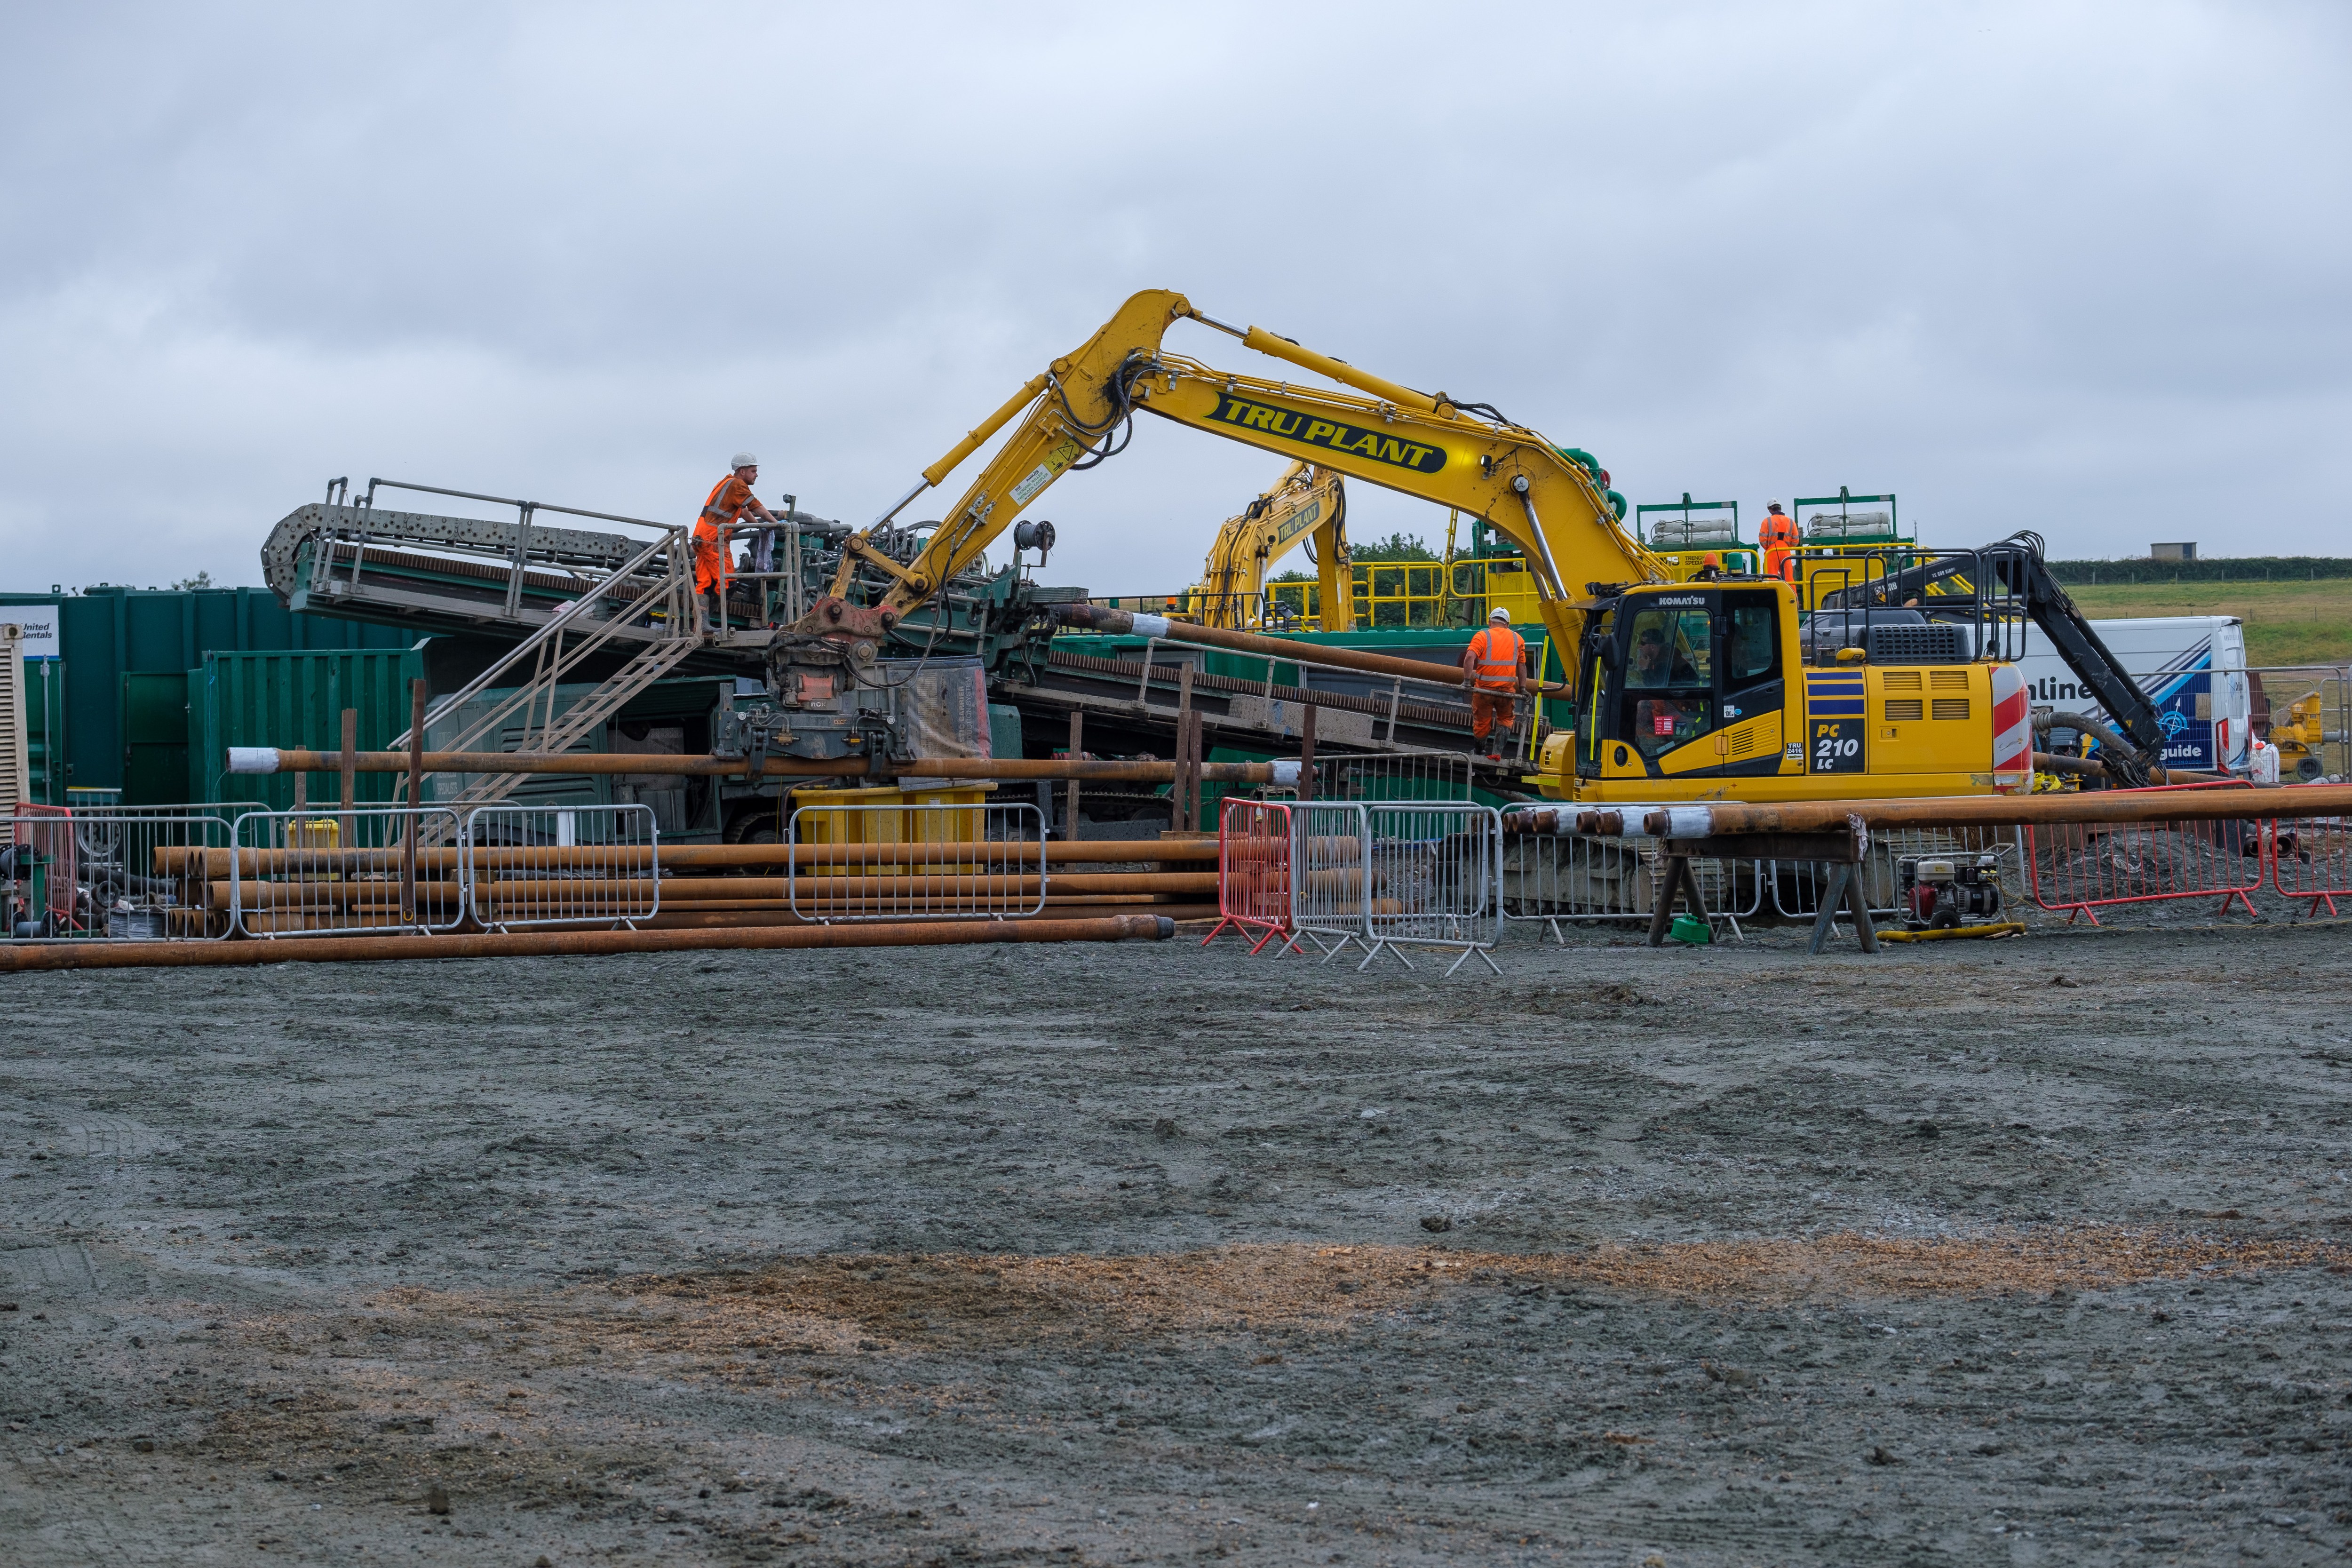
(1688, 680)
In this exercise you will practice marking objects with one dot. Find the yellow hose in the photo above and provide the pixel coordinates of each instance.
(2002, 927)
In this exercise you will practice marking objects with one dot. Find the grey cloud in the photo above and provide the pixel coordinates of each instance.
(2077, 266)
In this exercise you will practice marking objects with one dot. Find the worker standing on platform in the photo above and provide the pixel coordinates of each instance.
(1778, 535)
(714, 532)
(1492, 666)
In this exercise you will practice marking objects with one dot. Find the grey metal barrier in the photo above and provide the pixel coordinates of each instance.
(1433, 878)
(934, 861)
(121, 873)
(545, 866)
(1798, 886)
(1394, 776)
(1550, 873)
(368, 871)
(1329, 888)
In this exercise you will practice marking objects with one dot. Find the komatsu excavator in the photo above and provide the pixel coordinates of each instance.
(1702, 690)
(1307, 504)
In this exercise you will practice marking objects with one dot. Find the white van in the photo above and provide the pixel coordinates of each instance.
(2193, 668)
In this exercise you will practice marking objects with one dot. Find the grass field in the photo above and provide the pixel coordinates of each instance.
(2286, 623)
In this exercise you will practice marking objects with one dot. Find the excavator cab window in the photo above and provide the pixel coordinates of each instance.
(1753, 651)
(1668, 689)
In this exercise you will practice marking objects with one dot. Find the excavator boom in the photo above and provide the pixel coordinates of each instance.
(1422, 445)
(1306, 503)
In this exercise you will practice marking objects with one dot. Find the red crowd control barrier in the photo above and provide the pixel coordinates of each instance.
(1253, 872)
(2311, 858)
(2079, 869)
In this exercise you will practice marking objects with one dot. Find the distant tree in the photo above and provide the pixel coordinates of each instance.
(201, 580)
(1396, 547)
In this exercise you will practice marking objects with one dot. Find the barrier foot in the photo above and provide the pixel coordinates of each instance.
(1332, 952)
(2237, 895)
(1271, 932)
(1219, 930)
(1553, 921)
(1482, 952)
(1374, 951)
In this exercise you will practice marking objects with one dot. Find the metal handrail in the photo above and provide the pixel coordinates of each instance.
(554, 626)
(367, 502)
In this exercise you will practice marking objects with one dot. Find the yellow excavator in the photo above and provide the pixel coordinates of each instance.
(1307, 503)
(1721, 687)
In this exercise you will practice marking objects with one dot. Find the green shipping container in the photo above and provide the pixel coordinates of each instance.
(105, 633)
(293, 699)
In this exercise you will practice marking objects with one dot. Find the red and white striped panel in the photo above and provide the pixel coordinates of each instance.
(2012, 732)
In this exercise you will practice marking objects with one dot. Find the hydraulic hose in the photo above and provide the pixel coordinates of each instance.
(2125, 762)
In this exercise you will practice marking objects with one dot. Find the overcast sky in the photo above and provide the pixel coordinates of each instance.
(2081, 269)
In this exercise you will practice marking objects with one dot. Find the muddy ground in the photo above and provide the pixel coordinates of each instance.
(2025, 1252)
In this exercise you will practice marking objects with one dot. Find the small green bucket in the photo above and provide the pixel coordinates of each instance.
(1692, 930)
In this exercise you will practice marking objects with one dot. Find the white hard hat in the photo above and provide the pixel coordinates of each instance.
(744, 460)
(1499, 614)
(1772, 506)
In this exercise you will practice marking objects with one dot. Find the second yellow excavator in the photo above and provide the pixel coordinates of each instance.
(1307, 503)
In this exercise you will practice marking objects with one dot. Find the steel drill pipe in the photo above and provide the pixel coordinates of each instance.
(900, 885)
(321, 864)
(327, 895)
(836, 904)
(778, 915)
(1126, 623)
(2000, 811)
(316, 863)
(1096, 850)
(289, 759)
(22, 957)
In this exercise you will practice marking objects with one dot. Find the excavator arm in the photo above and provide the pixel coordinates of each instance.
(1306, 502)
(1458, 454)
(2015, 567)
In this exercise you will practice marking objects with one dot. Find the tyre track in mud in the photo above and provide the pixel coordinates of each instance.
(336, 1222)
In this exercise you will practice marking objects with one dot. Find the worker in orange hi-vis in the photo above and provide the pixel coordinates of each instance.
(1778, 534)
(714, 532)
(1492, 668)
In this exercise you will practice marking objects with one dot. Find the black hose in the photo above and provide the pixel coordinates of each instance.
(2125, 764)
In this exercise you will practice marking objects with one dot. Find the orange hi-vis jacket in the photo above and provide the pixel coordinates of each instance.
(1778, 535)
(1495, 658)
(725, 508)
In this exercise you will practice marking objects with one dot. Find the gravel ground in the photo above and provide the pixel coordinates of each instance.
(2032, 1251)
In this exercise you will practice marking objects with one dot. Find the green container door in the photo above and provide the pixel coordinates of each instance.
(288, 700)
(154, 738)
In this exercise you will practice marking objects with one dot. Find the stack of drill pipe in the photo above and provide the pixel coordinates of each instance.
(310, 888)
(307, 901)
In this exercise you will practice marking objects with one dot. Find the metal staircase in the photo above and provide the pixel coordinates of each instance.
(653, 590)
(570, 597)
